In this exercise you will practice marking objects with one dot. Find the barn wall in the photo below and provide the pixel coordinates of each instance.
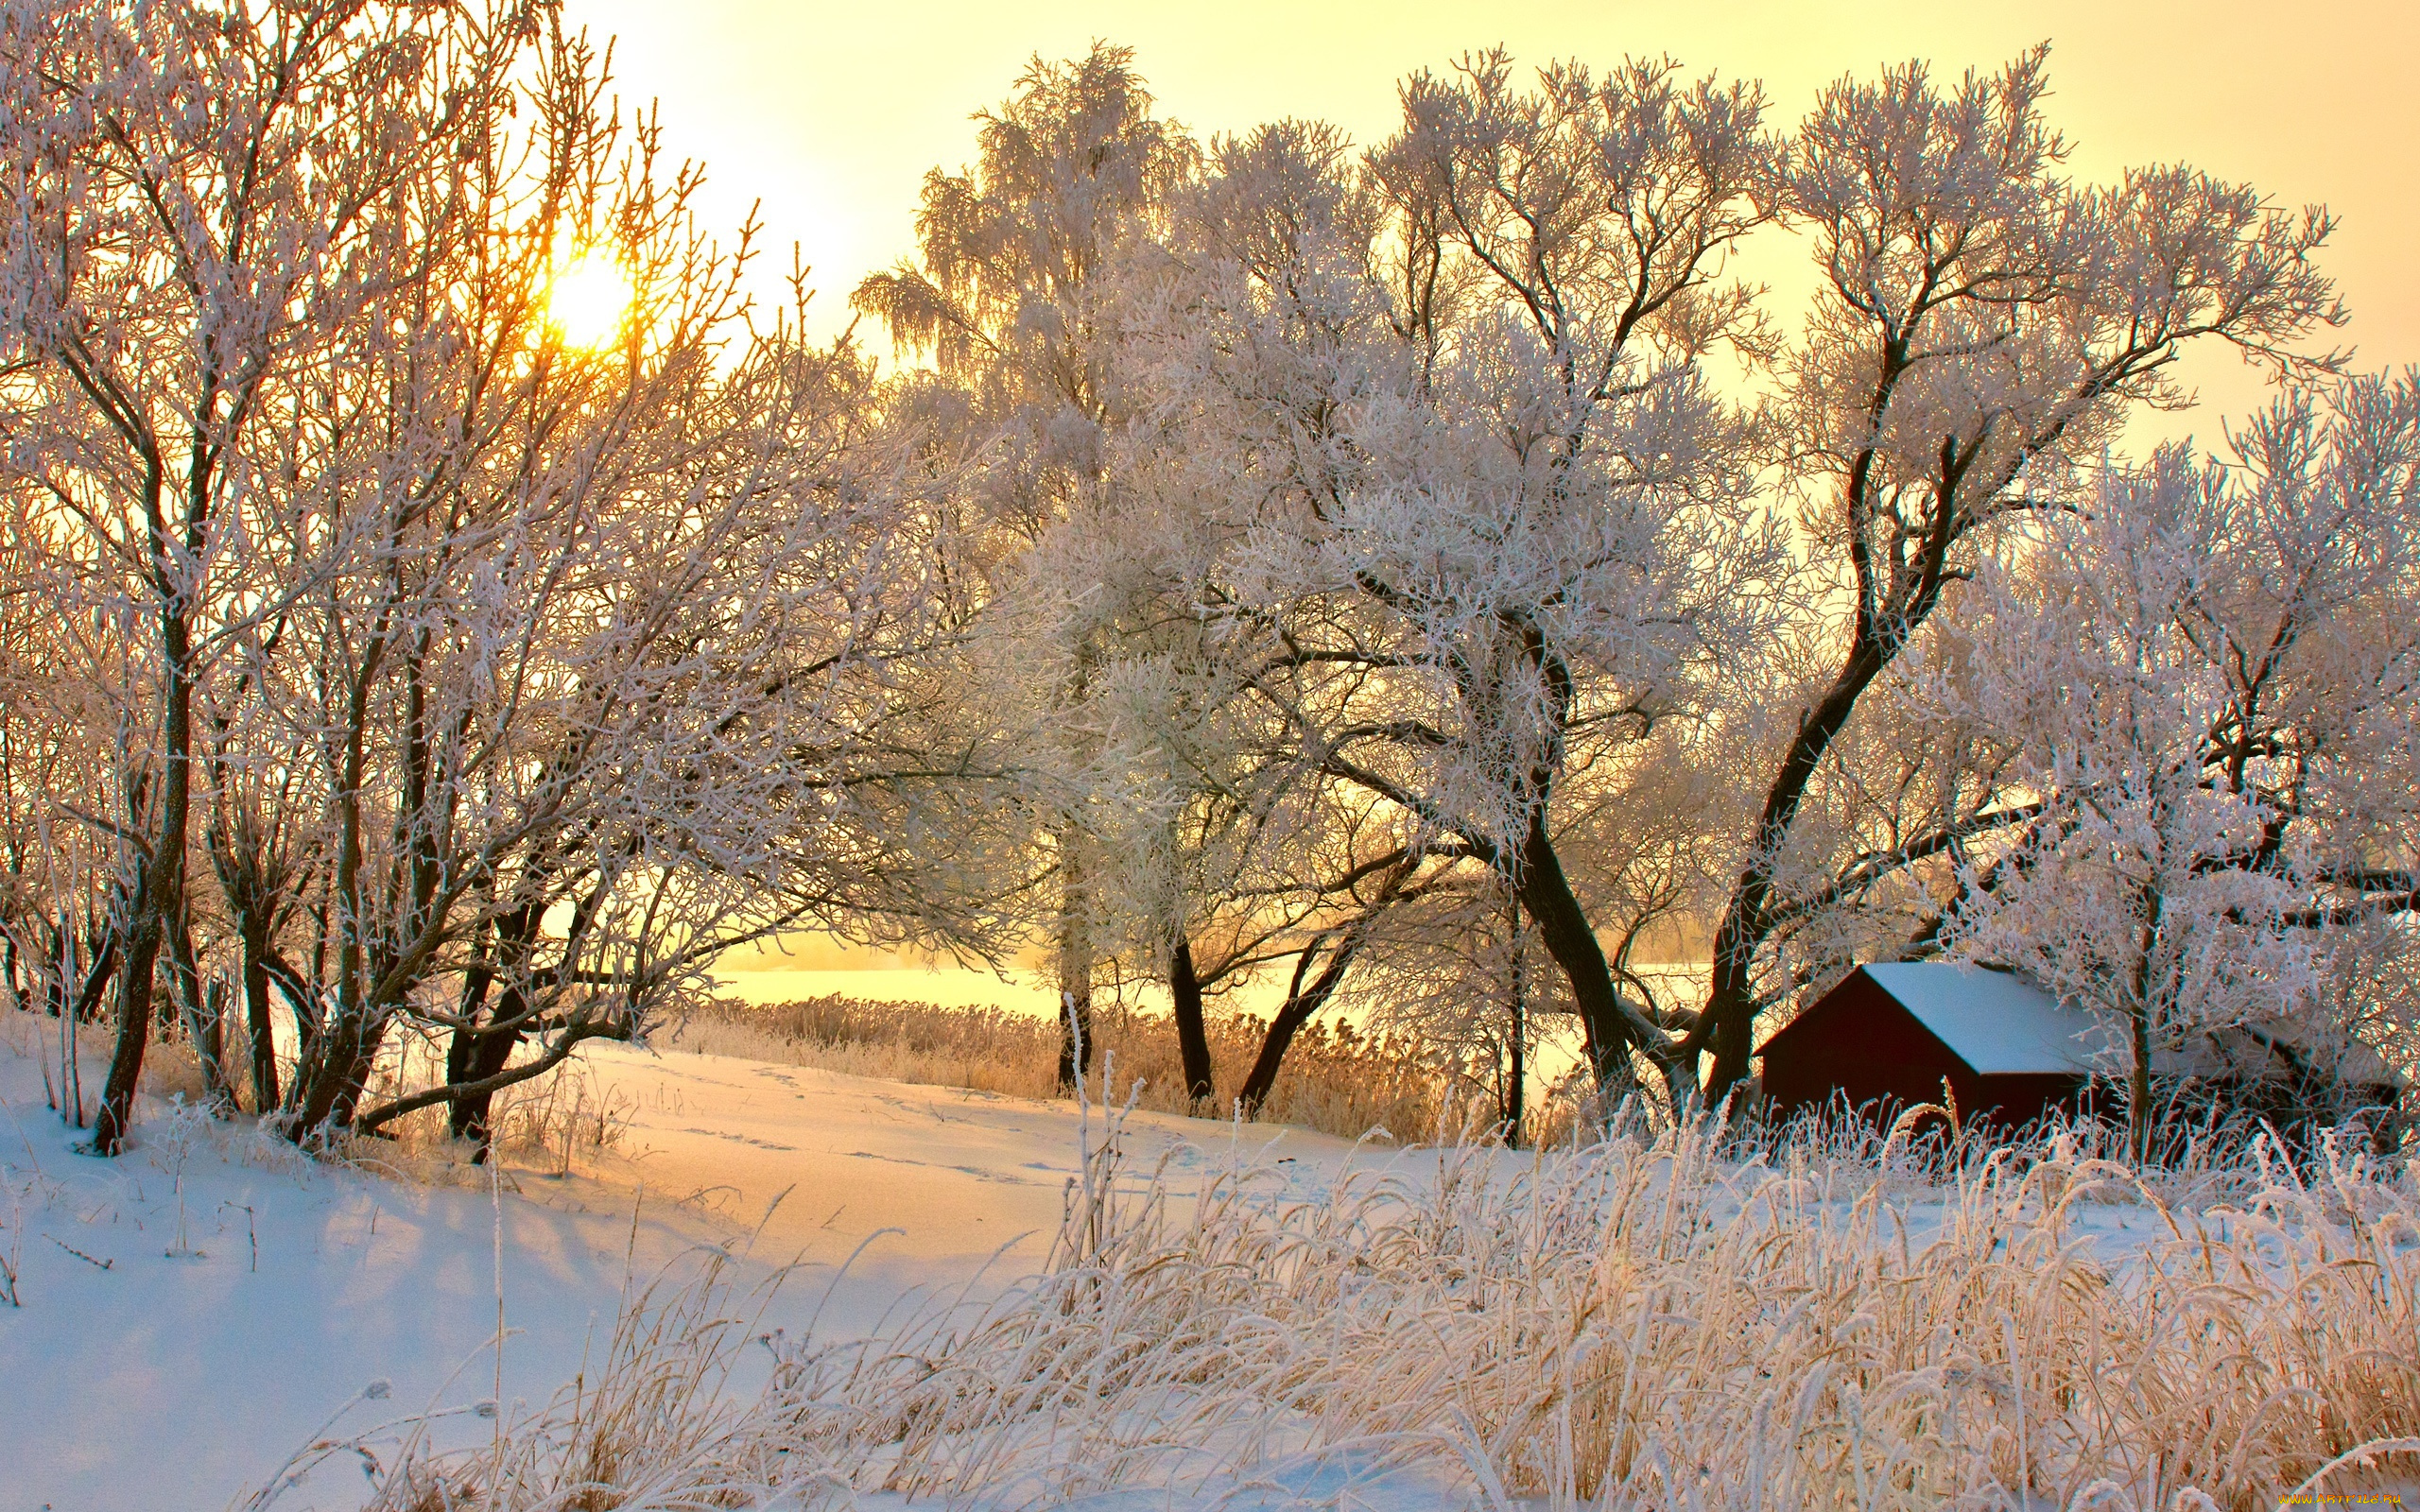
(2020, 1099)
(1857, 1043)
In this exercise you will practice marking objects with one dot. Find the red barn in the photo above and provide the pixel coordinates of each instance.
(1893, 1033)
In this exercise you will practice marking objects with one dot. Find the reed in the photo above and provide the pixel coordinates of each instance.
(1337, 1079)
(1685, 1317)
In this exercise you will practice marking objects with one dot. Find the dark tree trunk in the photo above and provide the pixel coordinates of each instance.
(1192, 1032)
(328, 1082)
(115, 1117)
(1300, 1004)
(83, 1008)
(368, 1043)
(87, 1006)
(1075, 971)
(157, 900)
(462, 1054)
(20, 997)
(303, 1001)
(1545, 891)
(318, 1078)
(473, 1112)
(238, 855)
(476, 1056)
(2138, 1069)
(203, 1007)
(1728, 1026)
(260, 1033)
(160, 897)
(1303, 1001)
(214, 1035)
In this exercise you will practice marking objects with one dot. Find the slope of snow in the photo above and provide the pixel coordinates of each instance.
(191, 1314)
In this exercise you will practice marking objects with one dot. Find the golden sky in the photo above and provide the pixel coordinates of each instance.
(830, 113)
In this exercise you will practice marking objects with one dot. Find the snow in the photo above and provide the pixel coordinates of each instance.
(219, 1370)
(196, 1312)
(1996, 1021)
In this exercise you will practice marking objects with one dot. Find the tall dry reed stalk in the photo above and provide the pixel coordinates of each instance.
(1665, 1320)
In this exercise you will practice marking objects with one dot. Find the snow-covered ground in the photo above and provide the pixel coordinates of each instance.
(191, 1314)
(188, 1316)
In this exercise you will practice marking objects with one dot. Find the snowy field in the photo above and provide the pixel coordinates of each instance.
(1443, 1330)
(213, 1298)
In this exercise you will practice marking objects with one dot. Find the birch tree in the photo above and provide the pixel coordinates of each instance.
(1002, 294)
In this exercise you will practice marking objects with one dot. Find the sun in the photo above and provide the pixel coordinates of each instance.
(589, 301)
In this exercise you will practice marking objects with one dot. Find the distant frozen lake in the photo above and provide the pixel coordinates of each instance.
(1027, 990)
(951, 986)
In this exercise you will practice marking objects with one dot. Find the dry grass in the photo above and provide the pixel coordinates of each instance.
(1336, 1079)
(1664, 1321)
(546, 1126)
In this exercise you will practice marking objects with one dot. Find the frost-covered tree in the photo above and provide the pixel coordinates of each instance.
(621, 660)
(2211, 673)
(1003, 294)
(506, 680)
(195, 204)
(70, 869)
(1982, 321)
(1483, 520)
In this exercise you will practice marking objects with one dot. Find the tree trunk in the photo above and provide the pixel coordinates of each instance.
(214, 1034)
(1074, 973)
(476, 1056)
(1728, 1026)
(203, 1007)
(115, 1118)
(20, 987)
(83, 1008)
(1517, 1082)
(2139, 1072)
(1192, 1032)
(160, 897)
(2138, 1090)
(1563, 929)
(260, 1032)
(472, 1114)
(1302, 1002)
(328, 1081)
(1300, 1005)
(357, 1074)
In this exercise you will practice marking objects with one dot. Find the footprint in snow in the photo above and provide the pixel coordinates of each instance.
(740, 1138)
